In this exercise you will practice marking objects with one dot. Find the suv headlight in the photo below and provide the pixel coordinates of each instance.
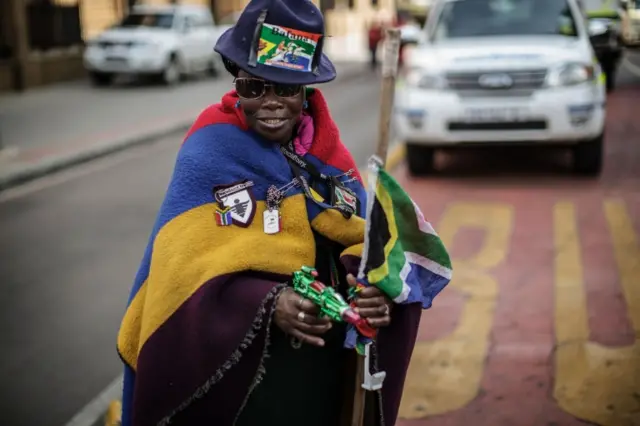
(572, 74)
(424, 80)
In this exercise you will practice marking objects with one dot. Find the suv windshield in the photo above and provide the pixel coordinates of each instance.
(483, 18)
(149, 20)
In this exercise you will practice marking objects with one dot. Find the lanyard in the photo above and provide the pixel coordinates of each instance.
(295, 159)
(297, 163)
(345, 210)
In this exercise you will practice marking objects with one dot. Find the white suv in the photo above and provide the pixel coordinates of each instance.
(502, 72)
(162, 41)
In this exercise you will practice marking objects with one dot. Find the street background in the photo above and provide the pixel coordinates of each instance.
(545, 293)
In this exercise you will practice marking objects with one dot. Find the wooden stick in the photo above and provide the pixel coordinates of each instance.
(389, 73)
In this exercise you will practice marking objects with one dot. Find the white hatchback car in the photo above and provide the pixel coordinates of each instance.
(502, 72)
(162, 41)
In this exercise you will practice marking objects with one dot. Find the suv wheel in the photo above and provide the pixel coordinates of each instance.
(587, 156)
(420, 159)
(609, 67)
(171, 74)
(101, 78)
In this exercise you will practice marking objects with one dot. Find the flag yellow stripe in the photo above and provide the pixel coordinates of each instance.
(381, 272)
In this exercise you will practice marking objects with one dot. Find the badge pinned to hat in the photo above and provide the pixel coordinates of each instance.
(280, 41)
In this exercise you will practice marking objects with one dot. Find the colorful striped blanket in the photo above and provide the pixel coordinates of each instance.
(208, 233)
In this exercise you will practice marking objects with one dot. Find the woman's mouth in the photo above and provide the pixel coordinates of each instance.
(272, 123)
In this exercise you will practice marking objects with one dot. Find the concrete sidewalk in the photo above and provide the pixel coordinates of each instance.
(49, 129)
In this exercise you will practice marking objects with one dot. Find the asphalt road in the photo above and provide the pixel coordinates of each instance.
(69, 253)
(71, 244)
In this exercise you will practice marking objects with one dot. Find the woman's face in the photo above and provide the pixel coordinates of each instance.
(271, 111)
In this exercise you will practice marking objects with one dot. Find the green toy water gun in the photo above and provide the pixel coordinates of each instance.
(330, 302)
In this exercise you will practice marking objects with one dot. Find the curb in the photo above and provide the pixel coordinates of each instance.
(59, 163)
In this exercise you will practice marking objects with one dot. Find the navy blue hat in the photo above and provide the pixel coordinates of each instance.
(279, 41)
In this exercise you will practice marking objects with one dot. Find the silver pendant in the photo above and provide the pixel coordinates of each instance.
(271, 221)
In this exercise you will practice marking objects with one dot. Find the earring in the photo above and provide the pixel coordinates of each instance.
(305, 104)
(238, 103)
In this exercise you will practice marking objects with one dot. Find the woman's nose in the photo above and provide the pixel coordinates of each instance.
(270, 98)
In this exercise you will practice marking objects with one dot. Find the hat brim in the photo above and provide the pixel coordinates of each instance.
(226, 47)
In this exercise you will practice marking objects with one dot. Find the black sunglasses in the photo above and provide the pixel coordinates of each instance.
(254, 88)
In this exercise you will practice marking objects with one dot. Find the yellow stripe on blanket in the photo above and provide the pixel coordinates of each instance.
(355, 250)
(333, 225)
(191, 250)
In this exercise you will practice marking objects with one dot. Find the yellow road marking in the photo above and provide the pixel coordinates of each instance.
(395, 156)
(594, 382)
(113, 416)
(445, 374)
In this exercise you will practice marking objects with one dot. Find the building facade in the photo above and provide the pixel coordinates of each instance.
(41, 41)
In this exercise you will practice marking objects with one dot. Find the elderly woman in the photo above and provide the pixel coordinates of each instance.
(213, 333)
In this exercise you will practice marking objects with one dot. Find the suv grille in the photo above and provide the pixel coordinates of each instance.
(520, 80)
(107, 44)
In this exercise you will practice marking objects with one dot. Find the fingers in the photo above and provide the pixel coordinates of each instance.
(308, 307)
(313, 329)
(351, 280)
(311, 319)
(373, 302)
(369, 292)
(379, 322)
(306, 338)
(377, 312)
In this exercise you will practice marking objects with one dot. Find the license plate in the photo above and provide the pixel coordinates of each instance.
(117, 51)
(495, 114)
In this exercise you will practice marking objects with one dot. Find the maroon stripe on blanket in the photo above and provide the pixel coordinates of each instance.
(186, 355)
(351, 263)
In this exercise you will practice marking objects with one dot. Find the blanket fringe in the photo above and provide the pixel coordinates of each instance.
(235, 357)
(261, 371)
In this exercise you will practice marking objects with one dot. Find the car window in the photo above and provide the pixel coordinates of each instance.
(482, 18)
(152, 20)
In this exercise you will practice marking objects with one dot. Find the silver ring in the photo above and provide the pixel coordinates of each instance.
(301, 316)
(300, 302)
(387, 309)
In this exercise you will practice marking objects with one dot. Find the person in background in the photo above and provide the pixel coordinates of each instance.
(376, 33)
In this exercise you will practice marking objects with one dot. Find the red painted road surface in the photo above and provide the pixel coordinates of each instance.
(544, 262)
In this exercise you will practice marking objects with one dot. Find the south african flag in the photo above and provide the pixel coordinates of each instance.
(223, 216)
(403, 255)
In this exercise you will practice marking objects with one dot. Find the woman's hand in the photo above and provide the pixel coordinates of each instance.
(372, 304)
(298, 317)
